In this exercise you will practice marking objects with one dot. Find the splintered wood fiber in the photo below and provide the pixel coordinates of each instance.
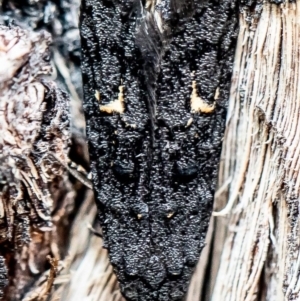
(260, 257)
(252, 250)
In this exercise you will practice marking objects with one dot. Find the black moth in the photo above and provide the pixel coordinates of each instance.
(156, 77)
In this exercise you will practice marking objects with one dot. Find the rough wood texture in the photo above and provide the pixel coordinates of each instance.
(257, 242)
(34, 137)
(260, 161)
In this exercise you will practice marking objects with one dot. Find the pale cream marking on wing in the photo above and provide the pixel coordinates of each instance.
(115, 106)
(217, 94)
(190, 121)
(170, 214)
(97, 95)
(198, 104)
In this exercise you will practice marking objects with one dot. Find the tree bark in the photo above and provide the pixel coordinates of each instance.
(252, 250)
(259, 171)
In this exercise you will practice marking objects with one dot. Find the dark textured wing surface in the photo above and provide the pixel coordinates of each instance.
(119, 144)
(156, 83)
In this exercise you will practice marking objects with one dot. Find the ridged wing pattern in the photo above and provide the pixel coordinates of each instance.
(156, 83)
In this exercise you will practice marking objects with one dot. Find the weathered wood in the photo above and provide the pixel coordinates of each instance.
(252, 250)
(34, 137)
(260, 161)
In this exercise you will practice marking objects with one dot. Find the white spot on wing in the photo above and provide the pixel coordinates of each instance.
(115, 106)
(198, 105)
